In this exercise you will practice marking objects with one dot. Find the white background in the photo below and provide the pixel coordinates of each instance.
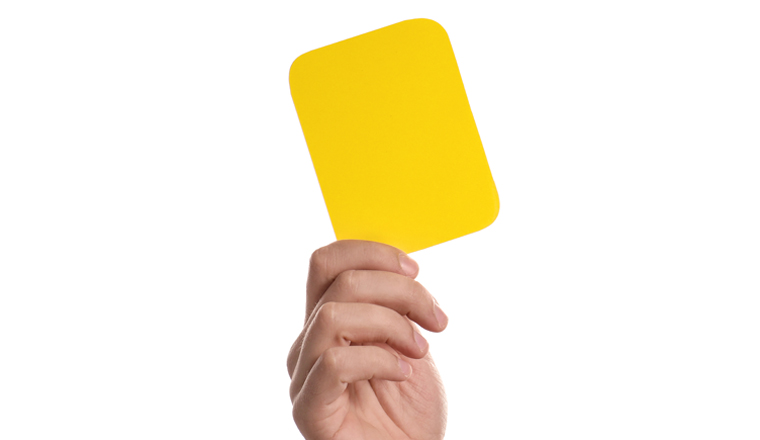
(158, 208)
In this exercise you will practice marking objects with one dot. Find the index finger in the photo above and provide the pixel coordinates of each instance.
(330, 261)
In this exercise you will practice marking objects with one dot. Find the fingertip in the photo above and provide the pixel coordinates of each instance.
(408, 266)
(405, 367)
(440, 316)
(421, 342)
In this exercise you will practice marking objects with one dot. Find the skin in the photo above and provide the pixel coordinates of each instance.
(360, 370)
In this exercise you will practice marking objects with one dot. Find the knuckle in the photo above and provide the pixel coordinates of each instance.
(331, 359)
(327, 315)
(294, 391)
(319, 261)
(294, 354)
(291, 361)
(346, 282)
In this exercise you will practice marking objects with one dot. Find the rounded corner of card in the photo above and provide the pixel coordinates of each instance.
(422, 21)
(496, 209)
(295, 67)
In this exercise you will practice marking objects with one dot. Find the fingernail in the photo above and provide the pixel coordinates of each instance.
(441, 317)
(406, 369)
(408, 265)
(421, 342)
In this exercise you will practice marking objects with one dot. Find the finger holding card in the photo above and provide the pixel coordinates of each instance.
(400, 163)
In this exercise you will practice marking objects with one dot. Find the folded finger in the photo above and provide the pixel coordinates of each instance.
(330, 261)
(340, 324)
(396, 292)
(339, 366)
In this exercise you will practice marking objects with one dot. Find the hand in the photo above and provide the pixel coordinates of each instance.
(360, 369)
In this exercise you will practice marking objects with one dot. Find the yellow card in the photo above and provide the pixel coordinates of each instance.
(392, 137)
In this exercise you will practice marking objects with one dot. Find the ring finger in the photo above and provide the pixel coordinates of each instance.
(340, 324)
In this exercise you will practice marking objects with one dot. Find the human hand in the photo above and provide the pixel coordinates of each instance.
(360, 370)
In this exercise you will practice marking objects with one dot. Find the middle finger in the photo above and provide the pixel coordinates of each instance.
(341, 324)
(396, 292)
